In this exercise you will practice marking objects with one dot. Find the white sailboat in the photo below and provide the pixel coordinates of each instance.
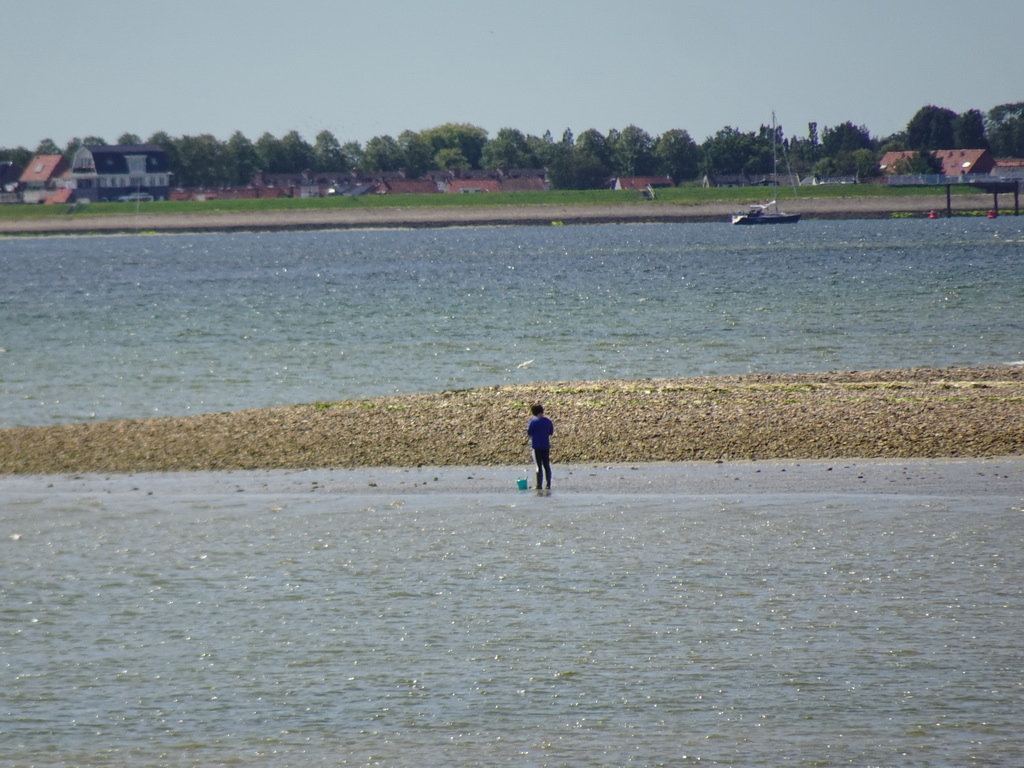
(767, 213)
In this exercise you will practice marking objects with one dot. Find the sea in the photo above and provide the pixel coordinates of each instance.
(317, 619)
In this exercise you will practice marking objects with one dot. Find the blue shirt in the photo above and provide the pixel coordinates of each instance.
(540, 431)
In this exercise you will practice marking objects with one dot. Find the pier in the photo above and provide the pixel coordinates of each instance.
(995, 184)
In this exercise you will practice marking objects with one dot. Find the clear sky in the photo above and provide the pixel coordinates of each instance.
(363, 68)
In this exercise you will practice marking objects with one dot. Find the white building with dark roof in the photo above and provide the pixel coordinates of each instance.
(123, 172)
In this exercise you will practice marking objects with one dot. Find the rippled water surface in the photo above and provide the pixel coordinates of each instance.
(468, 630)
(174, 625)
(113, 327)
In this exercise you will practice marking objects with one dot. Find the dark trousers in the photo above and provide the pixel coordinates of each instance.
(543, 458)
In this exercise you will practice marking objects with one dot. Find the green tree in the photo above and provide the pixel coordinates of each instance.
(327, 154)
(451, 158)
(931, 128)
(417, 154)
(865, 163)
(677, 155)
(731, 151)
(575, 167)
(470, 140)
(170, 147)
(542, 148)
(804, 153)
(48, 147)
(845, 138)
(382, 153)
(1005, 129)
(897, 142)
(298, 154)
(202, 162)
(969, 131)
(353, 152)
(925, 163)
(509, 148)
(20, 156)
(595, 144)
(127, 139)
(633, 152)
(272, 156)
(241, 158)
(860, 163)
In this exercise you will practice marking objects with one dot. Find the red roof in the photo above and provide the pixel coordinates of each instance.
(642, 182)
(522, 184)
(473, 185)
(43, 168)
(59, 197)
(410, 187)
(952, 162)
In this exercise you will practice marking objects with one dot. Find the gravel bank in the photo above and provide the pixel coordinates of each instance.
(916, 413)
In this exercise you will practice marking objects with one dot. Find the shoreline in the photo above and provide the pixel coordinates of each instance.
(994, 479)
(950, 413)
(399, 217)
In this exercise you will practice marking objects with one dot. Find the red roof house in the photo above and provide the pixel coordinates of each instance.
(953, 162)
(640, 183)
(408, 187)
(522, 184)
(468, 186)
(40, 177)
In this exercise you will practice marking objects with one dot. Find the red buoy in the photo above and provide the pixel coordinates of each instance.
(932, 215)
(993, 214)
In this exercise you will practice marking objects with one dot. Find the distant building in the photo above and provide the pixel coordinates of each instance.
(10, 182)
(407, 187)
(42, 177)
(1009, 168)
(952, 162)
(123, 172)
(641, 183)
(472, 186)
(522, 184)
(10, 176)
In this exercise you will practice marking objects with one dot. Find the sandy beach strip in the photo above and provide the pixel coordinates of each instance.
(997, 480)
(911, 414)
(480, 215)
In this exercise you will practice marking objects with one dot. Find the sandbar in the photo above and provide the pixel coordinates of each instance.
(919, 413)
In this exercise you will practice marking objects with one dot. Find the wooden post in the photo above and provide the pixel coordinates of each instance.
(949, 202)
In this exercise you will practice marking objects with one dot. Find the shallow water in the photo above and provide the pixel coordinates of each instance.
(115, 327)
(150, 625)
(741, 615)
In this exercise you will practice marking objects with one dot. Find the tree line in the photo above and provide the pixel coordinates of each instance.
(584, 161)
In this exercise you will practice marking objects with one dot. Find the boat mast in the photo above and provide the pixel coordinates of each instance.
(775, 162)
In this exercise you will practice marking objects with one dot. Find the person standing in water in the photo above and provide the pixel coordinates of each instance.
(540, 430)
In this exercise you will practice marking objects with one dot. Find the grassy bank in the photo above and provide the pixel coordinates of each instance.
(679, 196)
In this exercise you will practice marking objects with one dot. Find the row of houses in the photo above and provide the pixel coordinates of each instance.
(140, 172)
(95, 173)
(355, 183)
(951, 163)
